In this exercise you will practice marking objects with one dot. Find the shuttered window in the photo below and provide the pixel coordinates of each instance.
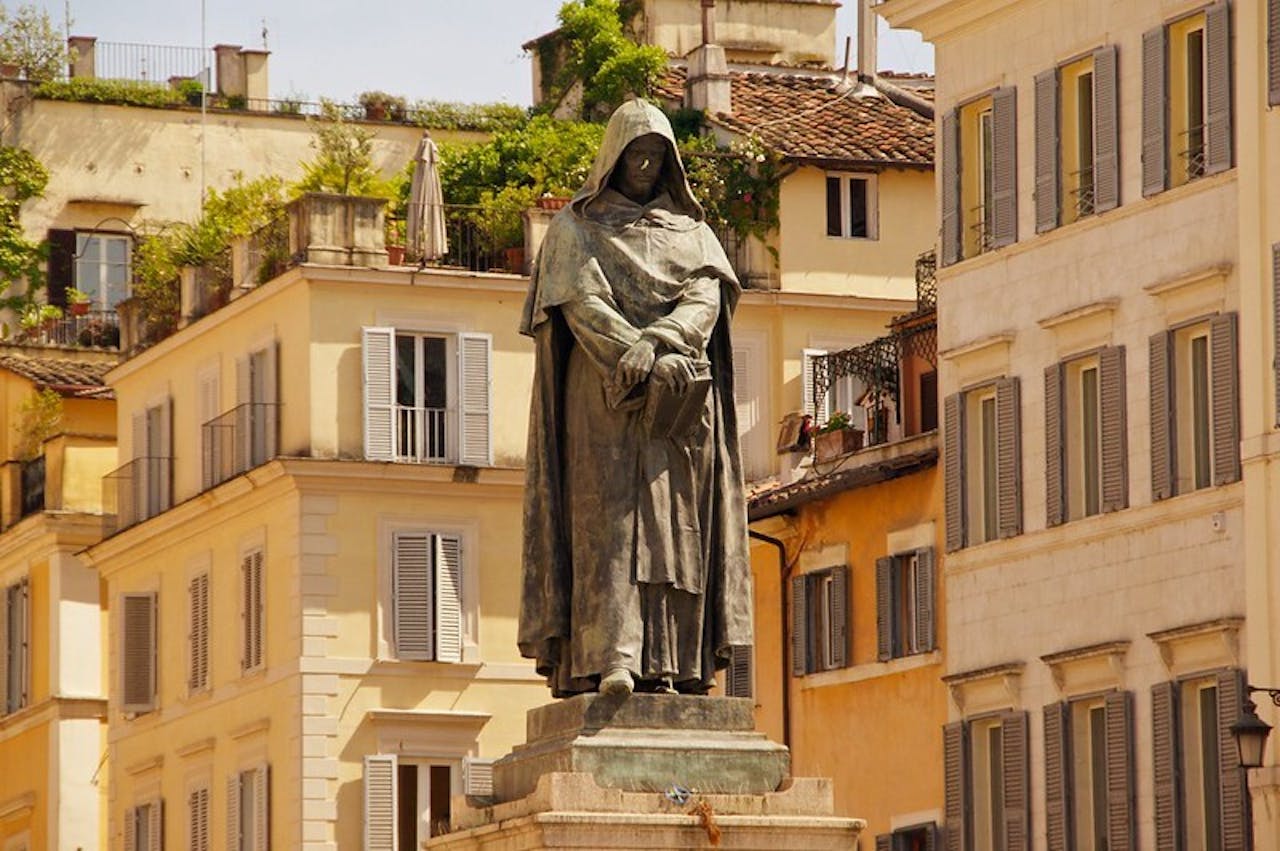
(253, 610)
(986, 779)
(738, 676)
(150, 489)
(198, 637)
(198, 819)
(921, 837)
(1085, 436)
(144, 827)
(982, 464)
(249, 810)
(15, 646)
(905, 604)
(952, 217)
(211, 461)
(979, 176)
(257, 420)
(1003, 221)
(820, 621)
(380, 805)
(427, 596)
(1089, 785)
(138, 652)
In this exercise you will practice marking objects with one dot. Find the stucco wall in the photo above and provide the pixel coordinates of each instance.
(789, 32)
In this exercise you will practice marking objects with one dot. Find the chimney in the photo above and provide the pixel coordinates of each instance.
(867, 38)
(708, 84)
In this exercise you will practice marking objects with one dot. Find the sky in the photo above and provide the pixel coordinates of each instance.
(454, 50)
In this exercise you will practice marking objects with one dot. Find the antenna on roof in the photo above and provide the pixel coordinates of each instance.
(264, 34)
(848, 50)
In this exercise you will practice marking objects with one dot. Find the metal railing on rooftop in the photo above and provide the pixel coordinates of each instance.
(115, 60)
(136, 491)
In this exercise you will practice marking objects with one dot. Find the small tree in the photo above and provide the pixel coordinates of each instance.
(30, 41)
(344, 158)
(610, 66)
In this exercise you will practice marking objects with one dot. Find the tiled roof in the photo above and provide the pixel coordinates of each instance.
(782, 498)
(814, 117)
(66, 376)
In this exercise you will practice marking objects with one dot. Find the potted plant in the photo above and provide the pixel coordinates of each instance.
(395, 238)
(380, 106)
(836, 437)
(77, 302)
(36, 316)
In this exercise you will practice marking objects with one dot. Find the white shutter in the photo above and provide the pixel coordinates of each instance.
(138, 652)
(413, 611)
(808, 396)
(380, 803)
(477, 777)
(131, 829)
(379, 347)
(262, 808)
(475, 397)
(233, 813)
(209, 401)
(448, 564)
(155, 825)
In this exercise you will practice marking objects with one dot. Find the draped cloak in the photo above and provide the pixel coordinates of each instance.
(635, 547)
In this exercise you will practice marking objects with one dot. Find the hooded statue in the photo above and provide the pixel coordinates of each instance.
(636, 567)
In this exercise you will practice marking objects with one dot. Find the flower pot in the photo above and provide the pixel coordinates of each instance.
(514, 258)
(395, 255)
(79, 308)
(833, 444)
(549, 203)
(375, 112)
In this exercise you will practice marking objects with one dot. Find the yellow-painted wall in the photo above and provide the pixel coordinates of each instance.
(25, 757)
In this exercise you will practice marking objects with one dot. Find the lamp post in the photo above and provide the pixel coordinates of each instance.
(1250, 731)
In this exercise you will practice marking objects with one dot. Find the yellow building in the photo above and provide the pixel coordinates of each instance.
(57, 436)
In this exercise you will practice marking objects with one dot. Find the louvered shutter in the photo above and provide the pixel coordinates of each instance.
(953, 469)
(262, 808)
(840, 617)
(1057, 779)
(155, 825)
(955, 769)
(1008, 457)
(138, 653)
(926, 600)
(1273, 52)
(198, 828)
(1164, 751)
(950, 190)
(884, 842)
(1017, 820)
(1218, 89)
(380, 803)
(5, 605)
(251, 610)
(1275, 311)
(1055, 450)
(1223, 340)
(477, 777)
(1004, 170)
(931, 837)
(747, 404)
(22, 634)
(244, 415)
(1155, 164)
(809, 389)
(62, 266)
(413, 609)
(475, 395)
(379, 360)
(1106, 130)
(234, 839)
(1046, 150)
(136, 503)
(448, 598)
(799, 626)
(737, 676)
(198, 662)
(131, 829)
(1237, 829)
(1118, 716)
(884, 608)
(1114, 430)
(1163, 438)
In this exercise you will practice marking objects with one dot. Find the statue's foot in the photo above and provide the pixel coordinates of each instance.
(665, 687)
(617, 681)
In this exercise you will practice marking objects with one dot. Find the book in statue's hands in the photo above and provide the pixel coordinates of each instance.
(675, 415)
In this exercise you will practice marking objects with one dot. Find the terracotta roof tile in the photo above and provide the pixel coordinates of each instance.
(70, 376)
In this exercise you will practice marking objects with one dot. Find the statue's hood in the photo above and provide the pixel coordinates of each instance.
(629, 122)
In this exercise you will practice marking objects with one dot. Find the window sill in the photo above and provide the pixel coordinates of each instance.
(834, 238)
(870, 670)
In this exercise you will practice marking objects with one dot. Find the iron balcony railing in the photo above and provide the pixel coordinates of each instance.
(32, 486)
(422, 435)
(114, 60)
(1083, 193)
(239, 440)
(135, 492)
(94, 329)
(1193, 151)
(738, 250)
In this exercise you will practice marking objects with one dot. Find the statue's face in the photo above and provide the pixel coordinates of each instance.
(639, 167)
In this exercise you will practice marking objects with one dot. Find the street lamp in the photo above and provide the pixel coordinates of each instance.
(1250, 731)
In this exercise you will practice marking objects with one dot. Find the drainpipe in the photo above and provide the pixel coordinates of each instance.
(784, 573)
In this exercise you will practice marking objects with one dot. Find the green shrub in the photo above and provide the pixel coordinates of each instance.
(123, 92)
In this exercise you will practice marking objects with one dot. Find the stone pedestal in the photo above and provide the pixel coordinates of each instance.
(648, 771)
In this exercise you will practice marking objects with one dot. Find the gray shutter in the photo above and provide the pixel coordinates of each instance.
(137, 502)
(884, 842)
(1057, 779)
(737, 675)
(1055, 492)
(1155, 166)
(1106, 130)
(1004, 172)
(1237, 830)
(1223, 340)
(164, 465)
(799, 626)
(951, 219)
(380, 803)
(4, 649)
(262, 808)
(209, 437)
(955, 771)
(884, 608)
(1009, 457)
(1114, 431)
(953, 469)
(448, 598)
(233, 813)
(475, 399)
(1273, 52)
(1162, 423)
(271, 401)
(1046, 150)
(1275, 314)
(22, 632)
(243, 451)
(926, 600)
(1218, 90)
(840, 617)
(138, 652)
(1017, 795)
(1118, 716)
(379, 360)
(412, 607)
(1164, 751)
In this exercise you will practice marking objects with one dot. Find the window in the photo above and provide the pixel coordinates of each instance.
(1195, 431)
(426, 580)
(102, 268)
(144, 827)
(252, 611)
(1089, 780)
(982, 464)
(138, 652)
(979, 164)
(15, 649)
(249, 810)
(198, 819)
(408, 800)
(198, 640)
(820, 621)
(905, 604)
(427, 397)
(851, 205)
(986, 783)
(1201, 794)
(257, 421)
(150, 483)
(1186, 99)
(1085, 436)
(922, 837)
(751, 407)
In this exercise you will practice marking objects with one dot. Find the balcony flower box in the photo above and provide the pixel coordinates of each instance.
(829, 445)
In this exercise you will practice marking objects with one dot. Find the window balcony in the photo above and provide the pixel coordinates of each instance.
(422, 435)
(96, 329)
(239, 440)
(135, 492)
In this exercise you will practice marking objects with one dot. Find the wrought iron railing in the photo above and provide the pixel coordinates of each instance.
(422, 435)
(238, 440)
(93, 329)
(1082, 195)
(136, 491)
(114, 60)
(738, 249)
(1193, 151)
(32, 486)
(875, 366)
(981, 228)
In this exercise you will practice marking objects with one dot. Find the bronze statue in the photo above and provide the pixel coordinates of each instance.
(636, 565)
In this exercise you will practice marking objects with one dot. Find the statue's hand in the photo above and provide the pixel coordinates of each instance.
(636, 363)
(676, 371)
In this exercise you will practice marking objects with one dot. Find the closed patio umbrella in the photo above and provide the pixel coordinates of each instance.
(427, 237)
